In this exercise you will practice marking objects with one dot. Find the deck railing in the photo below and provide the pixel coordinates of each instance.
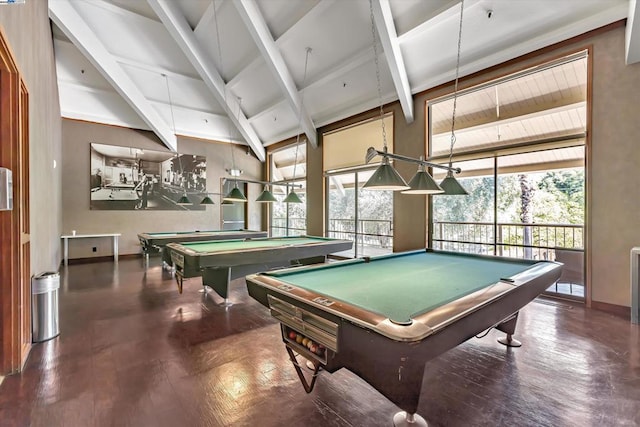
(297, 226)
(515, 240)
(377, 233)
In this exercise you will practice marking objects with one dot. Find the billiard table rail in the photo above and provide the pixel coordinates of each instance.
(155, 242)
(229, 260)
(537, 278)
(193, 262)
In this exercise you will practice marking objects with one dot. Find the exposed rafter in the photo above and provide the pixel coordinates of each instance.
(258, 29)
(314, 14)
(389, 39)
(181, 32)
(339, 70)
(63, 14)
(632, 42)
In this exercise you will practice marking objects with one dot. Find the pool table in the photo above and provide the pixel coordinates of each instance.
(219, 262)
(114, 198)
(156, 242)
(383, 318)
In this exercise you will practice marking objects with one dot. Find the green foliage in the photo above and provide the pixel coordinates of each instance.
(375, 205)
(563, 197)
(554, 197)
(476, 207)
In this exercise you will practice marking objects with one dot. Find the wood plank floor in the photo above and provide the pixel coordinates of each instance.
(134, 352)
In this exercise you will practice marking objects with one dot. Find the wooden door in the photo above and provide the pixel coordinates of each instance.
(15, 294)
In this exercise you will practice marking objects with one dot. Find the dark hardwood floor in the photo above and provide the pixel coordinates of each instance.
(134, 352)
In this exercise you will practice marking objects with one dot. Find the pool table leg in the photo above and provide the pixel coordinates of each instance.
(218, 279)
(308, 387)
(179, 281)
(509, 327)
(404, 419)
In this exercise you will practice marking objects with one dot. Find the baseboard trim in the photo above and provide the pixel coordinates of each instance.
(102, 258)
(617, 310)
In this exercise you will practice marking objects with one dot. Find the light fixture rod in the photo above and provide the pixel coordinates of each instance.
(278, 183)
(372, 152)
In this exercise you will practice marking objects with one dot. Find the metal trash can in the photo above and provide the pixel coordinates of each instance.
(44, 306)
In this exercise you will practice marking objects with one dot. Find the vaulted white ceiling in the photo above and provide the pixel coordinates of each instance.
(233, 70)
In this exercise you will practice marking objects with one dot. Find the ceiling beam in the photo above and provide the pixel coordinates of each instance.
(177, 25)
(258, 29)
(311, 16)
(63, 14)
(389, 38)
(632, 35)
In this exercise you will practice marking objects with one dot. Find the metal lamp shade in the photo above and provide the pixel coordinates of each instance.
(292, 197)
(235, 195)
(184, 200)
(266, 197)
(226, 202)
(423, 183)
(452, 187)
(207, 201)
(386, 178)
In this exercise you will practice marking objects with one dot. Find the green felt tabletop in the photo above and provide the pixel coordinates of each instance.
(236, 245)
(405, 285)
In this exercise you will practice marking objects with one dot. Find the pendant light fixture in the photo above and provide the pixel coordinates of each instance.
(184, 200)
(292, 197)
(423, 183)
(235, 195)
(385, 177)
(450, 184)
(266, 196)
(207, 200)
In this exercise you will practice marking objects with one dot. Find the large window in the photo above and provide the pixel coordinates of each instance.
(520, 144)
(364, 216)
(289, 164)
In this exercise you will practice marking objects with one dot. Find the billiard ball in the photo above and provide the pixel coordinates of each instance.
(299, 338)
(305, 341)
(292, 335)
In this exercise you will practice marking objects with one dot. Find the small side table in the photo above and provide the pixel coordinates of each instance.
(66, 238)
